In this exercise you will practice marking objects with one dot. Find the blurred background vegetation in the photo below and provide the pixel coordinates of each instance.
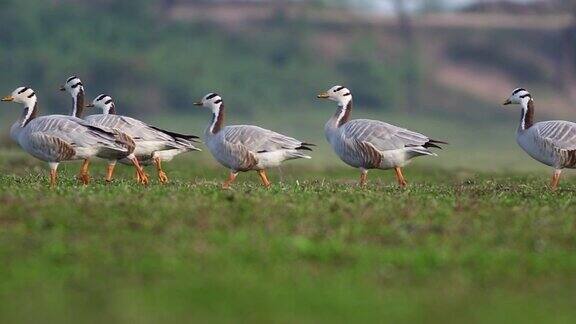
(441, 67)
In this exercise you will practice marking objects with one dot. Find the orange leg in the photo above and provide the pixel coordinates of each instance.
(264, 178)
(400, 177)
(53, 177)
(138, 176)
(110, 171)
(231, 177)
(555, 179)
(363, 177)
(84, 176)
(141, 176)
(162, 177)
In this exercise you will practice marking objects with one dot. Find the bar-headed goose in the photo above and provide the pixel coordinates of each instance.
(153, 144)
(247, 147)
(75, 88)
(550, 142)
(371, 144)
(58, 138)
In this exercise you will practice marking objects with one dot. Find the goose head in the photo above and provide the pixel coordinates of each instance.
(105, 103)
(519, 96)
(212, 101)
(337, 93)
(22, 95)
(73, 86)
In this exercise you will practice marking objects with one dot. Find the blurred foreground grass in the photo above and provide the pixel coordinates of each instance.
(456, 246)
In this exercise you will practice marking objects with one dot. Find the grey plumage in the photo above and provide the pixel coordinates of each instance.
(148, 139)
(50, 138)
(151, 142)
(371, 144)
(247, 147)
(550, 142)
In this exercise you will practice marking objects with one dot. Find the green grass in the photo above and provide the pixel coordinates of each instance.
(456, 246)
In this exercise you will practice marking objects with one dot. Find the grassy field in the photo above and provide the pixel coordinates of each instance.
(455, 247)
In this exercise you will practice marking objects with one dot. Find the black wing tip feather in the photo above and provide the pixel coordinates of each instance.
(304, 147)
(176, 135)
(434, 143)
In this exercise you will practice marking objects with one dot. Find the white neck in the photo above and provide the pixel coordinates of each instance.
(74, 105)
(524, 103)
(343, 107)
(74, 93)
(29, 106)
(343, 101)
(215, 114)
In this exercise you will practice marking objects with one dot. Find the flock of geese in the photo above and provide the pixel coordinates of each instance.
(361, 143)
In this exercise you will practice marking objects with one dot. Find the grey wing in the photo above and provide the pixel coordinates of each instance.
(133, 127)
(75, 131)
(141, 131)
(384, 136)
(558, 139)
(257, 139)
(558, 133)
(50, 148)
(56, 124)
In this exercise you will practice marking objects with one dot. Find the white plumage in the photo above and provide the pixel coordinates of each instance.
(58, 138)
(75, 88)
(371, 144)
(153, 144)
(247, 147)
(552, 143)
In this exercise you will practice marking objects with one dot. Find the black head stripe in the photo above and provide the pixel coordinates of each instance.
(108, 101)
(23, 90)
(339, 88)
(76, 85)
(31, 95)
(218, 101)
(526, 95)
(212, 95)
(347, 94)
(100, 97)
(71, 78)
(518, 90)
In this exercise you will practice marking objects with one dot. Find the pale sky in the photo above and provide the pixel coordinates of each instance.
(387, 5)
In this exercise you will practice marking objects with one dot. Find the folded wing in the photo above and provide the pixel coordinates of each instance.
(386, 137)
(258, 140)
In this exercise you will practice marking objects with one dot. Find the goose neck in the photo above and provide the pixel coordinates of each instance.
(111, 110)
(343, 113)
(527, 115)
(30, 112)
(217, 118)
(78, 103)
